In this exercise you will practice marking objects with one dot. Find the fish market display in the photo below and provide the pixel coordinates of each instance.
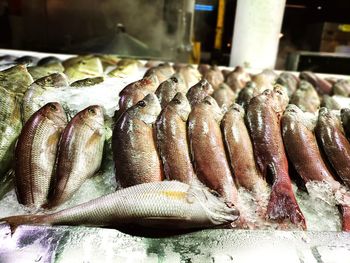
(239, 154)
(161, 204)
(172, 140)
(36, 153)
(134, 144)
(79, 155)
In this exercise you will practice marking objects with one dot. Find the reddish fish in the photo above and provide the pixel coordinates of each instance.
(198, 92)
(264, 125)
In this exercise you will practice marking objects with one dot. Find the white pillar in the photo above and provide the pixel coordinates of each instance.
(256, 33)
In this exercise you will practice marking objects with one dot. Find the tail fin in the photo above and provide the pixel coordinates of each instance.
(282, 204)
(345, 211)
(15, 221)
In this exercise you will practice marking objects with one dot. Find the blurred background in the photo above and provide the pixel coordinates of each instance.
(313, 34)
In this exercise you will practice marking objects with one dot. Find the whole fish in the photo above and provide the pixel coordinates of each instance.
(30, 102)
(38, 72)
(35, 154)
(237, 79)
(263, 122)
(214, 76)
(224, 96)
(124, 68)
(172, 140)
(330, 134)
(322, 86)
(289, 81)
(330, 103)
(88, 82)
(16, 79)
(136, 91)
(306, 97)
(342, 88)
(240, 150)
(208, 151)
(83, 67)
(169, 88)
(134, 144)
(190, 75)
(304, 153)
(80, 153)
(345, 119)
(10, 127)
(158, 204)
(163, 72)
(198, 92)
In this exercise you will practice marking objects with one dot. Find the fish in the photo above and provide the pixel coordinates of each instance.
(27, 60)
(48, 60)
(263, 122)
(83, 67)
(264, 81)
(237, 79)
(345, 119)
(240, 151)
(16, 79)
(35, 154)
(303, 151)
(321, 85)
(190, 75)
(330, 103)
(341, 87)
(214, 76)
(124, 68)
(38, 72)
(330, 134)
(208, 151)
(168, 89)
(31, 99)
(10, 127)
(134, 144)
(203, 68)
(80, 153)
(306, 97)
(198, 92)
(171, 129)
(157, 204)
(162, 71)
(289, 81)
(224, 96)
(88, 82)
(108, 60)
(136, 91)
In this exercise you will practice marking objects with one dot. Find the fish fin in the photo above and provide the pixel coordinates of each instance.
(15, 221)
(345, 212)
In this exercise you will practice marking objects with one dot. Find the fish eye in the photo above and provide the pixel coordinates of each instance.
(207, 102)
(214, 193)
(177, 101)
(174, 79)
(92, 111)
(53, 107)
(142, 103)
(279, 92)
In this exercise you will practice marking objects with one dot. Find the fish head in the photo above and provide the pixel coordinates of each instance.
(93, 116)
(53, 80)
(306, 86)
(214, 108)
(147, 109)
(293, 111)
(325, 115)
(181, 105)
(180, 82)
(54, 112)
(216, 210)
(280, 94)
(237, 109)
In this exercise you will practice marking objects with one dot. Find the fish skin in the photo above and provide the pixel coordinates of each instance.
(134, 144)
(48, 60)
(263, 81)
(264, 126)
(10, 127)
(124, 68)
(197, 93)
(163, 72)
(80, 153)
(289, 81)
(83, 67)
(330, 134)
(321, 85)
(330, 103)
(240, 150)
(190, 75)
(172, 140)
(88, 82)
(306, 97)
(224, 96)
(136, 91)
(341, 87)
(168, 89)
(208, 150)
(36, 152)
(158, 204)
(345, 119)
(38, 72)
(247, 93)
(16, 79)
(27, 60)
(214, 76)
(237, 79)
(36, 89)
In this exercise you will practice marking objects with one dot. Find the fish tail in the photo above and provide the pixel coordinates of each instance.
(345, 212)
(15, 221)
(282, 204)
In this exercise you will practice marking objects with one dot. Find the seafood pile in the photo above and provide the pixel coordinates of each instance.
(188, 145)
